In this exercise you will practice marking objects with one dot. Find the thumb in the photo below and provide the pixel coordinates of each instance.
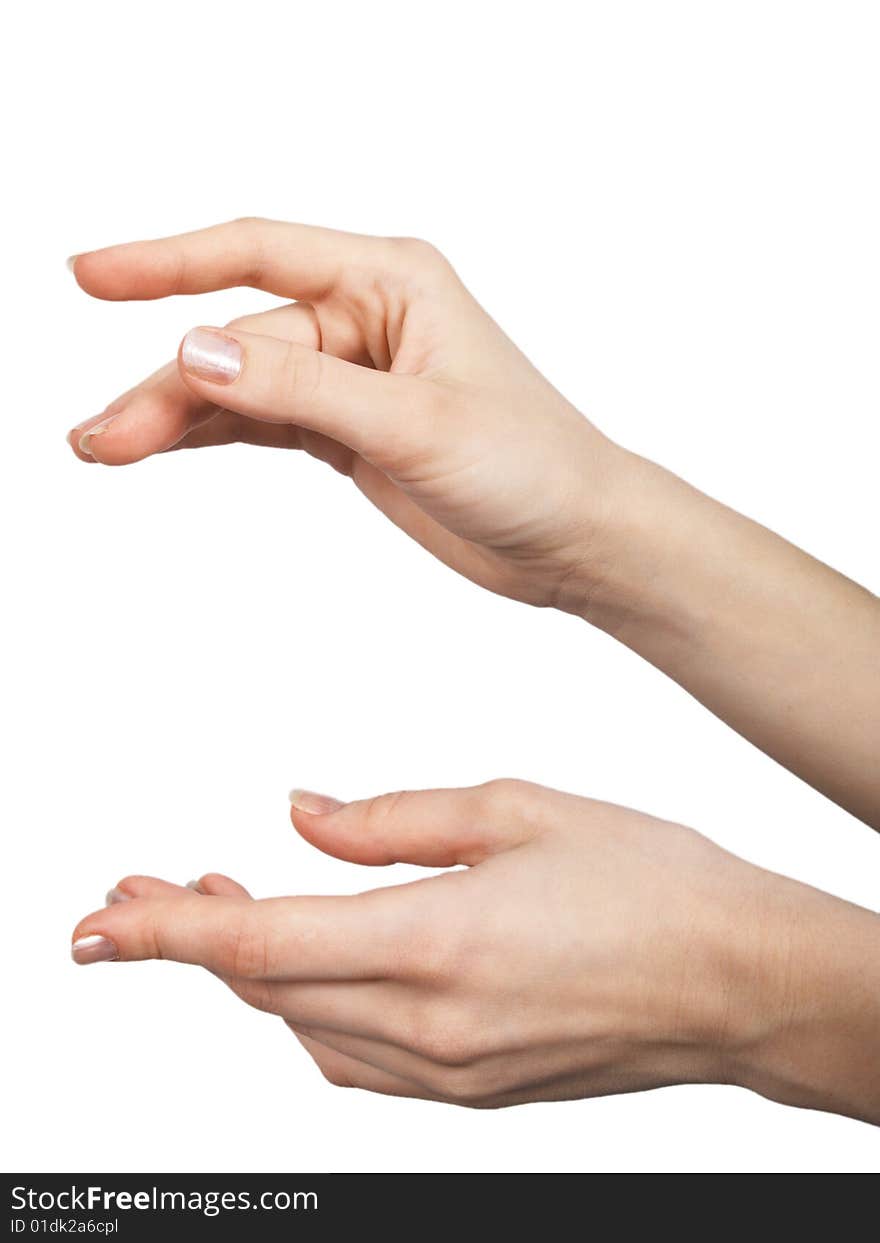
(381, 416)
(433, 828)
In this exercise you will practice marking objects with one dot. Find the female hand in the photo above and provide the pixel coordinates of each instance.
(390, 371)
(587, 949)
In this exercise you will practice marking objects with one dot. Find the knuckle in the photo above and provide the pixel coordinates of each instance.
(246, 952)
(505, 796)
(132, 881)
(442, 403)
(210, 879)
(171, 267)
(300, 370)
(441, 1036)
(418, 247)
(336, 1078)
(335, 1075)
(259, 996)
(384, 808)
(154, 943)
(250, 235)
(244, 322)
(248, 222)
(482, 1103)
(463, 1085)
(416, 256)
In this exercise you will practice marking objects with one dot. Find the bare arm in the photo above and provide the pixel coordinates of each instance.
(777, 644)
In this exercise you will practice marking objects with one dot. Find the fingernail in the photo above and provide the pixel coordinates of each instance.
(86, 950)
(70, 262)
(194, 885)
(117, 895)
(211, 355)
(317, 804)
(98, 430)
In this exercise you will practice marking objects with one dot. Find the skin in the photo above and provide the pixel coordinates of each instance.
(390, 371)
(650, 956)
(587, 949)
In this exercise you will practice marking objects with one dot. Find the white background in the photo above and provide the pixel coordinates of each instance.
(673, 208)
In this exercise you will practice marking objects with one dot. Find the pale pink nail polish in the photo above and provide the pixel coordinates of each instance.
(97, 429)
(87, 950)
(317, 804)
(211, 355)
(117, 895)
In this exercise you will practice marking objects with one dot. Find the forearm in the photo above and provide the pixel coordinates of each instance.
(780, 646)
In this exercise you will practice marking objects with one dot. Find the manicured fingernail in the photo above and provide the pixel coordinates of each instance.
(117, 895)
(211, 355)
(317, 804)
(86, 950)
(98, 430)
(193, 884)
(71, 262)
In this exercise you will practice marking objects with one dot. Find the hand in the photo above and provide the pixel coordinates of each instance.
(587, 949)
(390, 371)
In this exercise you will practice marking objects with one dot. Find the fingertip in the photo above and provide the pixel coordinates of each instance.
(216, 885)
(76, 267)
(102, 273)
(83, 269)
(310, 826)
(98, 924)
(310, 813)
(79, 437)
(312, 803)
(73, 438)
(91, 446)
(209, 356)
(337, 836)
(90, 949)
(146, 425)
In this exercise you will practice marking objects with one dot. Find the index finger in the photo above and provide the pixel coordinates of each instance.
(309, 938)
(293, 260)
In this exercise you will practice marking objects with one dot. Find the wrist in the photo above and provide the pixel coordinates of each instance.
(637, 522)
(807, 1029)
